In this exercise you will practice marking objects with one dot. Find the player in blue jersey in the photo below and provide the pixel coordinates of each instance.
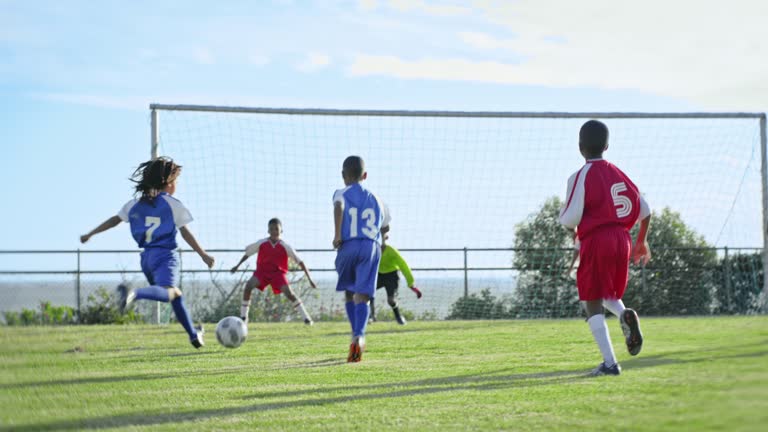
(155, 217)
(360, 218)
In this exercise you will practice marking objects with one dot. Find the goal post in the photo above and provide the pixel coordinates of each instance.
(454, 180)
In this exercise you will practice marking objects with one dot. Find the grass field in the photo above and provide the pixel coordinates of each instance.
(693, 374)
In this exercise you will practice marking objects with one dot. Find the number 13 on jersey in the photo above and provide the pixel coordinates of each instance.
(368, 217)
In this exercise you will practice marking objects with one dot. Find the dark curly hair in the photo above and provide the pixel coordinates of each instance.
(153, 176)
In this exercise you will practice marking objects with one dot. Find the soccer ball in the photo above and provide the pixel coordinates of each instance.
(231, 332)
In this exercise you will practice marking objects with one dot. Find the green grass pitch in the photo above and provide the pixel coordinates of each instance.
(704, 373)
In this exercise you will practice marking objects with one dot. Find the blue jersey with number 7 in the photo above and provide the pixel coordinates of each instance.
(363, 213)
(154, 223)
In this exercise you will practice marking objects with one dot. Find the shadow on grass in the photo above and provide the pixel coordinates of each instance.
(666, 359)
(384, 327)
(491, 381)
(321, 397)
(119, 379)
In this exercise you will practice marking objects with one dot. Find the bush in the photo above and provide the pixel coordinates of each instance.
(100, 308)
(483, 306)
(741, 286)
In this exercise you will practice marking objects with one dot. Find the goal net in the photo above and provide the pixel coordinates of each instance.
(473, 198)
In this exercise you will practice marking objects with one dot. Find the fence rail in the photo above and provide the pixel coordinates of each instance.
(71, 265)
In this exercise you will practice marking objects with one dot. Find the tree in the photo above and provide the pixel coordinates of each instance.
(680, 279)
(544, 249)
(741, 284)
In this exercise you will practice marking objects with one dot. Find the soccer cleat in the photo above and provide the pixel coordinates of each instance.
(354, 353)
(198, 341)
(309, 322)
(245, 319)
(605, 370)
(630, 325)
(400, 319)
(125, 297)
(356, 349)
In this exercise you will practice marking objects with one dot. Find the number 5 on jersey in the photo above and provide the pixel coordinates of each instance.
(623, 204)
(369, 217)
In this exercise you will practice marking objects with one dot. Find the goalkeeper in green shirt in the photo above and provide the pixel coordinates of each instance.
(391, 262)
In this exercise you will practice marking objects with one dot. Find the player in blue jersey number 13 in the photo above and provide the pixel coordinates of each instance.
(155, 217)
(360, 218)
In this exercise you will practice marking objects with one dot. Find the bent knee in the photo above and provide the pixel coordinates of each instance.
(173, 293)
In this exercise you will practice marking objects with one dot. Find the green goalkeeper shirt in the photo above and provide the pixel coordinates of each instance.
(391, 260)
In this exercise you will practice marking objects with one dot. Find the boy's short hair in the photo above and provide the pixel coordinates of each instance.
(593, 138)
(353, 167)
(274, 221)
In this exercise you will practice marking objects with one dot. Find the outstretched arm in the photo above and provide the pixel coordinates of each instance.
(242, 260)
(306, 272)
(188, 237)
(641, 253)
(106, 225)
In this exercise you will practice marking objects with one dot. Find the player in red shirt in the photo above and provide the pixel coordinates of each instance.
(272, 268)
(602, 205)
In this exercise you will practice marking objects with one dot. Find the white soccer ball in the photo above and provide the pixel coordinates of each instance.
(231, 332)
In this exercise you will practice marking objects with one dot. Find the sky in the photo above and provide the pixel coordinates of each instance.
(77, 77)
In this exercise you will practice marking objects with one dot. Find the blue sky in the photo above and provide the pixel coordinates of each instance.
(76, 77)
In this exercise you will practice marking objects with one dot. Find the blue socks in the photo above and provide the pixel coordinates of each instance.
(182, 315)
(362, 312)
(154, 292)
(350, 307)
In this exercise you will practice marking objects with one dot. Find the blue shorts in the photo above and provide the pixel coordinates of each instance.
(161, 266)
(357, 263)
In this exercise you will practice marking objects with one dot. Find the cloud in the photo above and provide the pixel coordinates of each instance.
(142, 102)
(441, 9)
(367, 5)
(708, 53)
(203, 56)
(258, 60)
(314, 62)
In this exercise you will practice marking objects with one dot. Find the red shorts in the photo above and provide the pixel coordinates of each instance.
(604, 264)
(276, 279)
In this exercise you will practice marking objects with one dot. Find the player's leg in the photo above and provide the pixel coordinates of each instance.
(155, 292)
(345, 268)
(165, 273)
(379, 285)
(599, 329)
(366, 272)
(616, 306)
(349, 305)
(245, 306)
(630, 322)
(593, 277)
(391, 284)
(296, 302)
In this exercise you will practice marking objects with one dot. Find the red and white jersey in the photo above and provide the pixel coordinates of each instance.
(273, 257)
(600, 195)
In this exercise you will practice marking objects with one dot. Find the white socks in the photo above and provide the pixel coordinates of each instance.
(616, 306)
(600, 333)
(244, 308)
(300, 306)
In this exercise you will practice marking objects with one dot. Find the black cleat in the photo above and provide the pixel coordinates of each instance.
(309, 322)
(125, 297)
(630, 325)
(605, 370)
(198, 341)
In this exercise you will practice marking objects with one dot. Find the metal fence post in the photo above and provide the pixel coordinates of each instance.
(466, 274)
(77, 284)
(727, 275)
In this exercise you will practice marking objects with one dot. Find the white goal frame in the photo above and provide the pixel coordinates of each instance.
(155, 137)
